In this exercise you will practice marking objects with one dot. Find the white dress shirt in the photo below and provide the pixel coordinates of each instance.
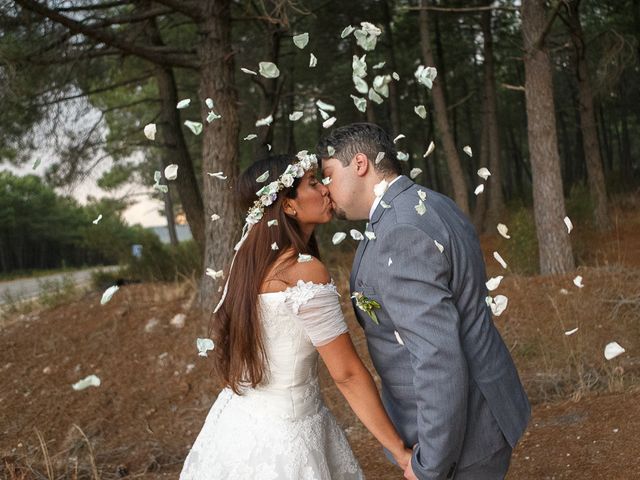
(377, 199)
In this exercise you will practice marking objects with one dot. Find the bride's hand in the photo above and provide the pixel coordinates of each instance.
(403, 458)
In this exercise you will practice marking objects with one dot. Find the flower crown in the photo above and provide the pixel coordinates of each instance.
(268, 194)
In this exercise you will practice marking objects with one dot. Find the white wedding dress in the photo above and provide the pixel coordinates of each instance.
(281, 430)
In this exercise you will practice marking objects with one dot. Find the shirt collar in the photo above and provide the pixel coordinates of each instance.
(377, 199)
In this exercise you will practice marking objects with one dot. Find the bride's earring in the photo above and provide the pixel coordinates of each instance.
(295, 213)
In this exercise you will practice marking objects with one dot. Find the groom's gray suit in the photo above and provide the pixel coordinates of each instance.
(452, 388)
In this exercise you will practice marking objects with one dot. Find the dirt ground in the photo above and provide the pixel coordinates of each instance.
(156, 391)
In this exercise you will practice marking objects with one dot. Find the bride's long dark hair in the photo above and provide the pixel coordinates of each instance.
(240, 359)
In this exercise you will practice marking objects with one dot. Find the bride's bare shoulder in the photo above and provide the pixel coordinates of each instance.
(289, 269)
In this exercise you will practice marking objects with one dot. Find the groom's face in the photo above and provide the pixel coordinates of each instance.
(341, 186)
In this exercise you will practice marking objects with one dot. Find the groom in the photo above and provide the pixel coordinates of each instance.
(448, 381)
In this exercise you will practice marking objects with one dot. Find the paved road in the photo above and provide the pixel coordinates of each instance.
(26, 288)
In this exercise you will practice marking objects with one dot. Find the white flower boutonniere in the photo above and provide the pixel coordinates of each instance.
(367, 305)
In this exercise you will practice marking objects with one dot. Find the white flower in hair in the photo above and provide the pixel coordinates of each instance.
(287, 180)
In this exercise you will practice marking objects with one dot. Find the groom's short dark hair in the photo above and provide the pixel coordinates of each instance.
(366, 138)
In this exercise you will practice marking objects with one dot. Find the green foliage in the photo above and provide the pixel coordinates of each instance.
(521, 251)
(165, 263)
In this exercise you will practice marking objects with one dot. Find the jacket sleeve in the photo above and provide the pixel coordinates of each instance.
(414, 290)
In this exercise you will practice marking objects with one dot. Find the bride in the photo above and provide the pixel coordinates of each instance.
(279, 310)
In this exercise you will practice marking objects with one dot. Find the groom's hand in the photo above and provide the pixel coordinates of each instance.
(408, 473)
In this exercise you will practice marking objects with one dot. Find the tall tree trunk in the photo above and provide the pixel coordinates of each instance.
(220, 141)
(555, 251)
(460, 193)
(394, 102)
(495, 207)
(168, 207)
(271, 89)
(590, 144)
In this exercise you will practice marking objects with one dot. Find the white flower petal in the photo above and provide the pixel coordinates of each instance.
(313, 60)
(499, 305)
(422, 194)
(360, 84)
(494, 282)
(399, 137)
(209, 103)
(415, 172)
(390, 262)
(370, 235)
(195, 127)
(183, 103)
(360, 103)
(95, 222)
(567, 222)
(204, 345)
(356, 235)
(499, 259)
(421, 209)
(467, 150)
(430, 149)
(214, 274)
(150, 131)
(571, 332)
(171, 172)
(384, 204)
(215, 217)
(327, 107)
(484, 173)
(380, 188)
(395, 332)
(301, 40)
(395, 76)
(373, 96)
(90, 381)
(330, 150)
(324, 115)
(479, 189)
(326, 181)
(211, 116)
(329, 122)
(421, 111)
(295, 116)
(378, 66)
(250, 72)
(338, 237)
(108, 293)
(219, 175)
(304, 258)
(272, 223)
(426, 75)
(439, 245)
(263, 178)
(379, 157)
(251, 136)
(504, 230)
(268, 70)
(347, 31)
(266, 121)
(274, 246)
(578, 281)
(403, 157)
(612, 350)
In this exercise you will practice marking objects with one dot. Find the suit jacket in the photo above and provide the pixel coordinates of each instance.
(449, 383)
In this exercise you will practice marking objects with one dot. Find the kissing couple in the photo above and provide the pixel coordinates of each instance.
(451, 404)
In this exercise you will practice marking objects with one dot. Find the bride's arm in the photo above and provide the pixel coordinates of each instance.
(356, 384)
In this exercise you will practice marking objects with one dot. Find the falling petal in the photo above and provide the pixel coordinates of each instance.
(272, 223)
(567, 222)
(171, 172)
(379, 157)
(370, 235)
(326, 181)
(215, 217)
(479, 189)
(422, 194)
(90, 381)
(356, 235)
(209, 103)
(504, 230)
(426, 75)
(95, 222)
(439, 245)
(384, 204)
(268, 70)
(214, 274)
(571, 332)
(612, 350)
(330, 150)
(324, 115)
(415, 172)
(250, 72)
(467, 150)
(338, 237)
(360, 103)
(578, 281)
(421, 208)
(395, 332)
(499, 259)
(421, 111)
(499, 305)
(266, 121)
(403, 156)
(204, 345)
(380, 188)
(430, 149)
(294, 116)
(378, 66)
(329, 122)
(494, 282)
(195, 127)
(327, 107)
(263, 178)
(373, 96)
(395, 76)
(399, 137)
(251, 136)
(304, 258)
(301, 40)
(484, 173)
(313, 60)
(347, 31)
(360, 84)
(161, 188)
(564, 291)
(390, 262)
(38, 160)
(183, 103)
(219, 175)
(149, 131)
(212, 116)
(274, 246)
(108, 293)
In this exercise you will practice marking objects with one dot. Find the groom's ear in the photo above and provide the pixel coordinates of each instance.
(361, 163)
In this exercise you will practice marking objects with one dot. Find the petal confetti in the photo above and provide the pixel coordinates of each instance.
(295, 116)
(329, 122)
(313, 61)
(484, 173)
(183, 103)
(422, 194)
(327, 107)
(612, 350)
(338, 237)
(268, 70)
(90, 381)
(395, 332)
(403, 157)
(274, 246)
(215, 217)
(578, 281)
(95, 222)
(263, 178)
(214, 274)
(567, 222)
(399, 137)
(499, 305)
(370, 235)
(304, 258)
(479, 189)
(504, 230)
(571, 332)
(251, 136)
(421, 111)
(250, 72)
(204, 345)
(439, 246)
(272, 223)
(500, 260)
(356, 235)
(195, 127)
(108, 293)
(494, 282)
(415, 172)
(379, 157)
(380, 188)
(360, 103)
(171, 172)
(209, 103)
(150, 131)
(301, 40)
(264, 122)
(430, 149)
(218, 175)
(467, 150)
(347, 31)
(421, 209)
(326, 181)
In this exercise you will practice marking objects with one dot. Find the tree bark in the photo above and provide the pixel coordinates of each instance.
(220, 141)
(590, 144)
(555, 251)
(459, 186)
(495, 207)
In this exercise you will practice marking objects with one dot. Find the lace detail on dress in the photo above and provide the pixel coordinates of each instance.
(302, 292)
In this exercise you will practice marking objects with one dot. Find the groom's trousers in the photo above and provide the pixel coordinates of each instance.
(494, 467)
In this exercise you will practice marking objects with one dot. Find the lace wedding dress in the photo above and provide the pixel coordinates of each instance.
(281, 430)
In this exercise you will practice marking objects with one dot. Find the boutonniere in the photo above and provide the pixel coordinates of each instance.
(367, 305)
